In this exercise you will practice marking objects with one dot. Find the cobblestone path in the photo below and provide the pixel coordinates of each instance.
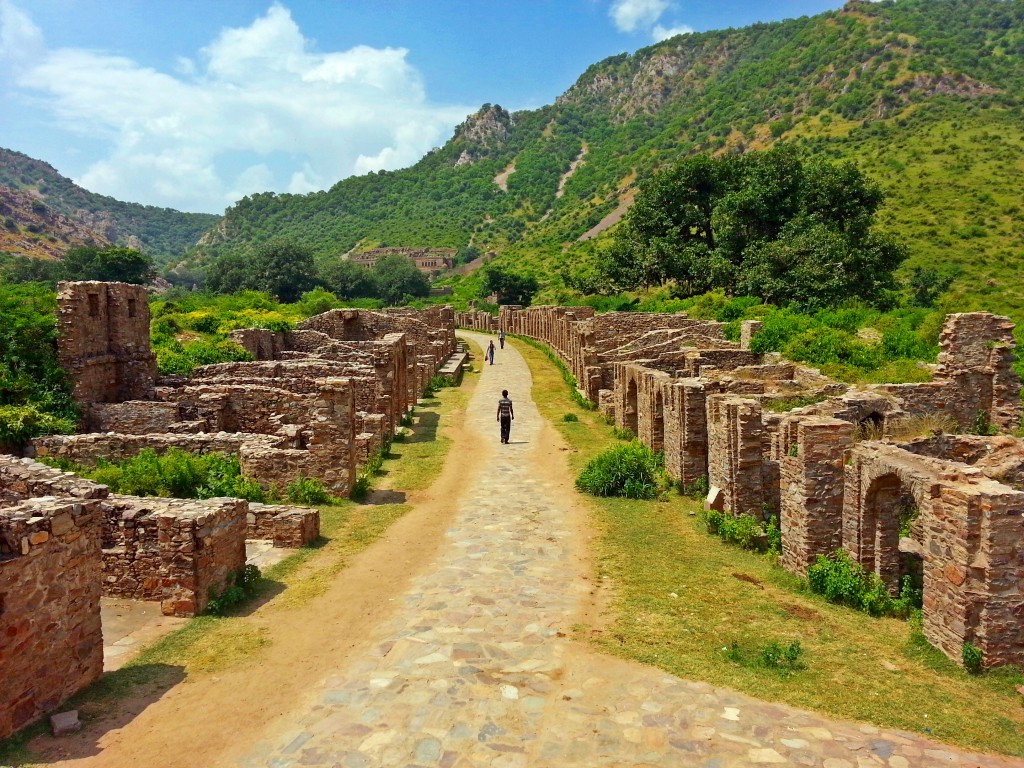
(476, 669)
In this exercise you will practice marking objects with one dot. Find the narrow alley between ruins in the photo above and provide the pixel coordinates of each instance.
(476, 666)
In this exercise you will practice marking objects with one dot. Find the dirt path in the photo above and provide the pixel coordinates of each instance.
(447, 644)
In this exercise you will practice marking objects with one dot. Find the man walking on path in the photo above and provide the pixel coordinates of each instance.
(501, 338)
(490, 351)
(505, 415)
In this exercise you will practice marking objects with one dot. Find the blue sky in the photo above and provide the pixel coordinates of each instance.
(193, 104)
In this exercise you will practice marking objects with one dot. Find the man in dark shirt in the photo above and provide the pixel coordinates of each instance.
(505, 415)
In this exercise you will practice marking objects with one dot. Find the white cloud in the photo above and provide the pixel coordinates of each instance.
(630, 15)
(257, 109)
(20, 39)
(645, 15)
(664, 33)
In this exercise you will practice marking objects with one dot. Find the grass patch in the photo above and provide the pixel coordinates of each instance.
(681, 596)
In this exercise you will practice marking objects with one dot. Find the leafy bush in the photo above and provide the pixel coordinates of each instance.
(698, 489)
(845, 582)
(776, 656)
(20, 423)
(747, 531)
(306, 490)
(570, 417)
(972, 658)
(175, 474)
(360, 488)
(632, 470)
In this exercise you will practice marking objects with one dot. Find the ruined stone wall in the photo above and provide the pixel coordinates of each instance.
(261, 343)
(812, 459)
(285, 526)
(967, 535)
(477, 320)
(88, 448)
(736, 463)
(134, 417)
(103, 341)
(51, 645)
(174, 551)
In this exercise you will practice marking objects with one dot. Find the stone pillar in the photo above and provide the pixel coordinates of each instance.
(811, 515)
(686, 432)
(735, 453)
(332, 439)
(748, 330)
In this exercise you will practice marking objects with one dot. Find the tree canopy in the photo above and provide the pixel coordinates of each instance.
(766, 224)
(510, 287)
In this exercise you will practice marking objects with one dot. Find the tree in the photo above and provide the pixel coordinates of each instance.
(398, 279)
(767, 224)
(284, 269)
(510, 287)
(347, 279)
(119, 265)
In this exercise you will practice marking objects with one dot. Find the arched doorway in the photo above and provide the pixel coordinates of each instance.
(889, 506)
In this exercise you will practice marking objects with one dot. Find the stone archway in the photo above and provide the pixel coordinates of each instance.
(883, 515)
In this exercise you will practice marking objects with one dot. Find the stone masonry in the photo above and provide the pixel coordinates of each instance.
(709, 404)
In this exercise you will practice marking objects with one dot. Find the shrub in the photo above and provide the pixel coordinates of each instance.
(845, 582)
(632, 470)
(623, 433)
(776, 656)
(20, 423)
(972, 658)
(747, 531)
(306, 490)
(698, 489)
(360, 488)
(570, 417)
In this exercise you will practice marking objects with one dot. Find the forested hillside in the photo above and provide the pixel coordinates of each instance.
(161, 232)
(926, 95)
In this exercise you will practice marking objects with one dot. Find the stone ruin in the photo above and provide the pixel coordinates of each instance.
(837, 472)
(315, 402)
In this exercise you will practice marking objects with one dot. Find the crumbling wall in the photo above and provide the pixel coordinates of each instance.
(51, 645)
(285, 526)
(736, 454)
(175, 551)
(103, 341)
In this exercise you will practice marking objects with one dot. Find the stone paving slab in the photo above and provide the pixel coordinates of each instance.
(476, 668)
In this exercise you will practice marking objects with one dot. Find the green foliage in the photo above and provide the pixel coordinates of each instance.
(766, 224)
(623, 433)
(632, 470)
(109, 265)
(35, 397)
(175, 474)
(280, 267)
(240, 586)
(570, 417)
(982, 425)
(698, 489)
(972, 658)
(567, 377)
(173, 357)
(397, 280)
(777, 656)
(845, 582)
(510, 287)
(307, 491)
(746, 531)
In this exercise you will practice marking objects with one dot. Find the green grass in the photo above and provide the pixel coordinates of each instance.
(874, 670)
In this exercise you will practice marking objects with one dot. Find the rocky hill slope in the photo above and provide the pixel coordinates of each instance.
(925, 94)
(160, 232)
(29, 227)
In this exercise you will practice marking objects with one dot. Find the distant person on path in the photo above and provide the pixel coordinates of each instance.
(501, 339)
(505, 415)
(490, 352)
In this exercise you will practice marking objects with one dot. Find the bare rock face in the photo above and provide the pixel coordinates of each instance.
(31, 228)
(483, 132)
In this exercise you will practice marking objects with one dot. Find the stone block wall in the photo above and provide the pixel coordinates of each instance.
(811, 510)
(51, 644)
(103, 341)
(174, 551)
(286, 526)
(736, 453)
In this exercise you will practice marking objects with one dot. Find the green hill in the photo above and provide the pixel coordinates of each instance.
(926, 95)
(161, 232)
